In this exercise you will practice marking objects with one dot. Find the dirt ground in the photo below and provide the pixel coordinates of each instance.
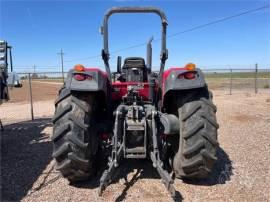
(41, 91)
(18, 107)
(242, 172)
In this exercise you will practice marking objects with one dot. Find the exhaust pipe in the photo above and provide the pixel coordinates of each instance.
(149, 55)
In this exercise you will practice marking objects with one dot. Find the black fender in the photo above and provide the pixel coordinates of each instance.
(96, 81)
(173, 82)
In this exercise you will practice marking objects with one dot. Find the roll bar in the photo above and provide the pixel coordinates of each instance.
(104, 31)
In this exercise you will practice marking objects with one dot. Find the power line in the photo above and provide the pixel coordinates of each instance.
(173, 35)
(37, 66)
(97, 56)
(85, 58)
(181, 32)
(155, 40)
(219, 20)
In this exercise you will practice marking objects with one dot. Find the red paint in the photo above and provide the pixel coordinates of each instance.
(79, 77)
(190, 75)
(165, 76)
(120, 89)
(168, 71)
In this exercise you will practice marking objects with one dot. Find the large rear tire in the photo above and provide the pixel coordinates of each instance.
(74, 146)
(196, 154)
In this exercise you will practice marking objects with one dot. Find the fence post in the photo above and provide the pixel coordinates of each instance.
(256, 78)
(31, 98)
(230, 81)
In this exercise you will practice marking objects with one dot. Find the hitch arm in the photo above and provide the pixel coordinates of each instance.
(107, 174)
(157, 163)
(113, 160)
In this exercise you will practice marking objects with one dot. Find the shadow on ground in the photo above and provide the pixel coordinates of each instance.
(221, 173)
(25, 153)
(144, 170)
(140, 169)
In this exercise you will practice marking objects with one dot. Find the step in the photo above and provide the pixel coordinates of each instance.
(135, 150)
(135, 156)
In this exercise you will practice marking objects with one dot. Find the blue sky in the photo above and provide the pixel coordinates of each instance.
(37, 30)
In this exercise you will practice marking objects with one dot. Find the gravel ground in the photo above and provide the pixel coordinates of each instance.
(242, 172)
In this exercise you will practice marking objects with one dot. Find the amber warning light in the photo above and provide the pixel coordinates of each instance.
(79, 68)
(190, 67)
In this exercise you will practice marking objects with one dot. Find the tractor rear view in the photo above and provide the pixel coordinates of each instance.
(168, 118)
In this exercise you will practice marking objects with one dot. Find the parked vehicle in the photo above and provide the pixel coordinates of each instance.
(14, 80)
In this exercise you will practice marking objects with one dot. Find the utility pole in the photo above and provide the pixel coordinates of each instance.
(34, 69)
(10, 59)
(230, 81)
(256, 78)
(62, 64)
(31, 96)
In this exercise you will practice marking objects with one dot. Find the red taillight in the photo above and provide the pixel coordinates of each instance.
(187, 75)
(79, 77)
(82, 77)
(190, 75)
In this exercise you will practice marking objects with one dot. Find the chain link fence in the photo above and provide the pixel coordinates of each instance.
(234, 80)
(35, 98)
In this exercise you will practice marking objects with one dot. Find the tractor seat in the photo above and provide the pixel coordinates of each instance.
(134, 62)
(134, 70)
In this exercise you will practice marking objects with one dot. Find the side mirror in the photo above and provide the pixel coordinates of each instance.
(119, 61)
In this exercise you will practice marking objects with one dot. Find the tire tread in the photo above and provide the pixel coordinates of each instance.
(196, 154)
(72, 148)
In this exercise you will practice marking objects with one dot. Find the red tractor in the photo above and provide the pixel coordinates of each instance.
(134, 113)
